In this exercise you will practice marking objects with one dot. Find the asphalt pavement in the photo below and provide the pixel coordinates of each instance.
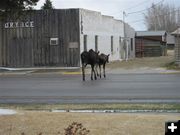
(116, 88)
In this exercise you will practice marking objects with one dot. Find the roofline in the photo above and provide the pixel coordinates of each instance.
(81, 9)
(150, 35)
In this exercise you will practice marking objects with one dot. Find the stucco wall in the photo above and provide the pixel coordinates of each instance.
(93, 23)
(130, 34)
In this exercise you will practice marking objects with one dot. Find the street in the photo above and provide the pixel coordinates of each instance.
(116, 88)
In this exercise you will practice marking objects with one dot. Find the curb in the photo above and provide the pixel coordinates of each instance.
(117, 111)
(63, 71)
(170, 73)
(73, 73)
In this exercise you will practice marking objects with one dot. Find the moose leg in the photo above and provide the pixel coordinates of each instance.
(104, 70)
(96, 68)
(100, 71)
(92, 72)
(83, 72)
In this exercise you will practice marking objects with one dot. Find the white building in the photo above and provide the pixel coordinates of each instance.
(106, 34)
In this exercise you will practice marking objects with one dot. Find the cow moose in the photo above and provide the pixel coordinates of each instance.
(90, 57)
(103, 59)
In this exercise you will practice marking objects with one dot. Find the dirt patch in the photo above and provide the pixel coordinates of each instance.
(48, 123)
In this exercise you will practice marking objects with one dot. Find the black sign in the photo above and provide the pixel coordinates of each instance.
(172, 128)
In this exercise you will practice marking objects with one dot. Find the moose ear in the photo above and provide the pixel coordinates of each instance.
(98, 52)
(108, 55)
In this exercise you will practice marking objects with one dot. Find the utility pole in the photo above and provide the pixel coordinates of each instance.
(125, 37)
(124, 14)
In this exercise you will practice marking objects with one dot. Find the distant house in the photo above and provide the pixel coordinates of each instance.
(176, 33)
(150, 43)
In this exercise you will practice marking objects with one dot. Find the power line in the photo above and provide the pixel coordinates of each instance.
(139, 4)
(140, 11)
(121, 11)
(140, 20)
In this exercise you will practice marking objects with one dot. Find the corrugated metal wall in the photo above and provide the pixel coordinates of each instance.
(150, 48)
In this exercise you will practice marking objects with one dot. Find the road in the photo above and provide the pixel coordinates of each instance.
(116, 88)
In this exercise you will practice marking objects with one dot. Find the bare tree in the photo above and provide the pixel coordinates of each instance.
(162, 17)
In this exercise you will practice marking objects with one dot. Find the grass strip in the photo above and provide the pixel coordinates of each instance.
(119, 106)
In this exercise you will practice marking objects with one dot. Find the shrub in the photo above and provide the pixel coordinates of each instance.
(76, 129)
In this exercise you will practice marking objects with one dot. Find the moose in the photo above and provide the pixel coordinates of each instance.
(94, 59)
(103, 59)
(90, 57)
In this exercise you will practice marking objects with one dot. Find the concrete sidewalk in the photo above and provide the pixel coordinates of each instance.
(39, 70)
(142, 70)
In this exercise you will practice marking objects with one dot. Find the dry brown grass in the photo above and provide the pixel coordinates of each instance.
(48, 123)
(152, 62)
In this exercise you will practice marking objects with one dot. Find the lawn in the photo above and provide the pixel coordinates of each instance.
(151, 62)
(49, 123)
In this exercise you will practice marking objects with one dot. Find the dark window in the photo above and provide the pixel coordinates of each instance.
(131, 44)
(111, 44)
(96, 43)
(85, 42)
